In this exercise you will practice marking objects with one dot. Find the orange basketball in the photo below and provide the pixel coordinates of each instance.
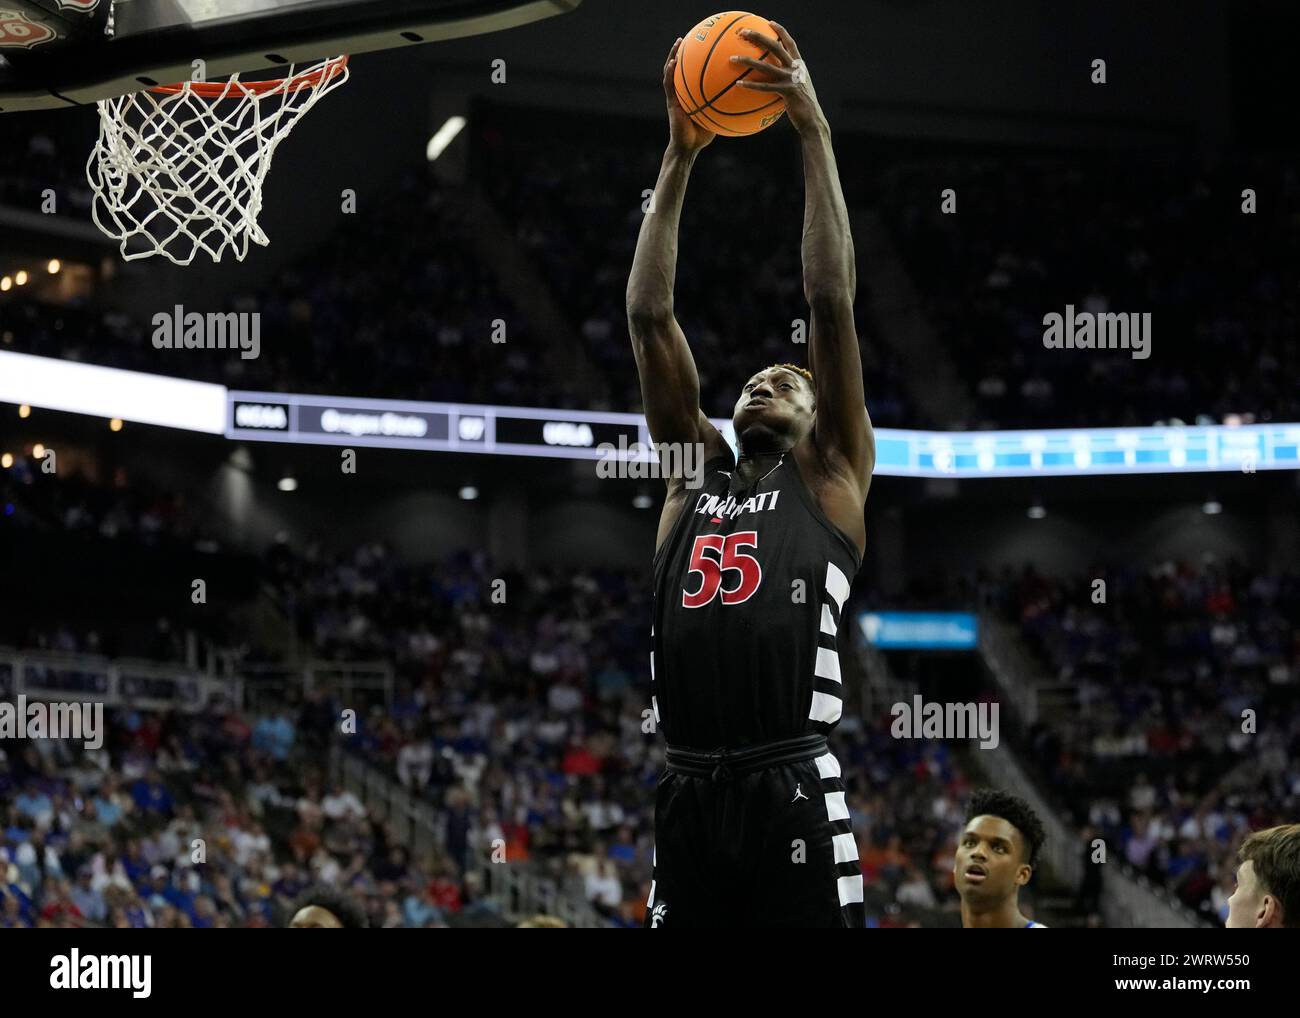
(705, 78)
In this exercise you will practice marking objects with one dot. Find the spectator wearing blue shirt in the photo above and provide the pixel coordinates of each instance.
(417, 910)
(623, 850)
(291, 884)
(107, 811)
(204, 914)
(173, 892)
(35, 804)
(274, 734)
(134, 862)
(88, 900)
(13, 916)
(151, 796)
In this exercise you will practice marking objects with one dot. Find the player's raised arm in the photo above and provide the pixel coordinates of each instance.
(670, 385)
(842, 432)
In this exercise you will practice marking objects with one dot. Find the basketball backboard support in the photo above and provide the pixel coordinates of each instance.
(58, 53)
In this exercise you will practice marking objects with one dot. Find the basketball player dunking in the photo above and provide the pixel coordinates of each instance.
(752, 570)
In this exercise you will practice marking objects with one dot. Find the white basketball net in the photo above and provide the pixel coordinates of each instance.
(178, 173)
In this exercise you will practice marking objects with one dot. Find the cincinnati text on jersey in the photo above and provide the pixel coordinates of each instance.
(716, 505)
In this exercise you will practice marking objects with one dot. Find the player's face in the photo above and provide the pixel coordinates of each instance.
(313, 917)
(776, 400)
(989, 866)
(1248, 907)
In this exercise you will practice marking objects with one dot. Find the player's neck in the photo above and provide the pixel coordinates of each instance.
(754, 464)
(1005, 916)
(761, 457)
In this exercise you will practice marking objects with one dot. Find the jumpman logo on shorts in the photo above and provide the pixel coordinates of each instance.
(798, 793)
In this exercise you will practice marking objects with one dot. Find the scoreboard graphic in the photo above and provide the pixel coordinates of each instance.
(595, 435)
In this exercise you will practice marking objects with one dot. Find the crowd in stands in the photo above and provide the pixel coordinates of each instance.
(74, 500)
(1188, 728)
(528, 715)
(214, 820)
(205, 820)
(43, 154)
(519, 718)
(394, 304)
(1164, 234)
(1179, 732)
(575, 200)
(520, 722)
(400, 301)
(113, 521)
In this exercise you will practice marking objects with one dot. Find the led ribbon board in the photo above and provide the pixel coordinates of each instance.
(593, 435)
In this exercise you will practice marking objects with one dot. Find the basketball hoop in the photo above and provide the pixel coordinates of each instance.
(179, 168)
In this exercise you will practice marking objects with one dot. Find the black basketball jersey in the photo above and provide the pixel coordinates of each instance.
(741, 652)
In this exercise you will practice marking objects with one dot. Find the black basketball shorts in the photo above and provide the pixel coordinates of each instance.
(758, 837)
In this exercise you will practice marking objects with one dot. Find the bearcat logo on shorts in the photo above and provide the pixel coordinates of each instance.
(18, 31)
(79, 5)
(659, 914)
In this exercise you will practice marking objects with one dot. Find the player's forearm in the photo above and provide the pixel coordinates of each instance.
(654, 266)
(828, 266)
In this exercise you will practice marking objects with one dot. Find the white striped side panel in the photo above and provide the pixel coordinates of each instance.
(850, 889)
(825, 708)
(827, 766)
(828, 664)
(837, 585)
(835, 806)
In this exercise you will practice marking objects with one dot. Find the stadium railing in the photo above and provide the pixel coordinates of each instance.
(880, 688)
(898, 313)
(356, 684)
(1127, 898)
(152, 685)
(1011, 665)
(415, 822)
(522, 893)
(517, 890)
(149, 685)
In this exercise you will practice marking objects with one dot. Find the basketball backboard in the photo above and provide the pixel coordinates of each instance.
(56, 53)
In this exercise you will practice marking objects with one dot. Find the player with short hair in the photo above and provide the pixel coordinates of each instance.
(996, 855)
(752, 570)
(325, 907)
(1268, 881)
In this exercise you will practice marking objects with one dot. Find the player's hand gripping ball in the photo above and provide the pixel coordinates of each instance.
(706, 77)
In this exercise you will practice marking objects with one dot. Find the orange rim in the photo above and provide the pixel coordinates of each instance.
(225, 89)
